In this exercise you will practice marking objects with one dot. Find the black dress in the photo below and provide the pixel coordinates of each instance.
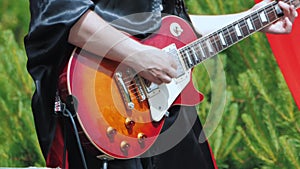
(48, 51)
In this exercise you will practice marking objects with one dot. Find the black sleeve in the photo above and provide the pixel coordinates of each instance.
(47, 51)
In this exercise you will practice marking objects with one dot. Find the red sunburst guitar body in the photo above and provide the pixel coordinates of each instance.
(119, 113)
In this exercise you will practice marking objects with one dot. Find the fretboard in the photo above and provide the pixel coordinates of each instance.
(217, 41)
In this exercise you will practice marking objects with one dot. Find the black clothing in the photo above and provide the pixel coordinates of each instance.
(48, 51)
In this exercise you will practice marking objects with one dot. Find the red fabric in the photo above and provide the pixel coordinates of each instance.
(286, 50)
(55, 156)
(212, 156)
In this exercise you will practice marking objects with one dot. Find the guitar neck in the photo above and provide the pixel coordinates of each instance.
(217, 41)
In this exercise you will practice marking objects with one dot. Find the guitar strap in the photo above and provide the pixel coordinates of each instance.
(140, 18)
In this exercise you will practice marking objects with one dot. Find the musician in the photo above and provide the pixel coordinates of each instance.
(57, 26)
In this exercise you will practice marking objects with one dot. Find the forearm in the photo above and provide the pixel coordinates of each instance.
(95, 35)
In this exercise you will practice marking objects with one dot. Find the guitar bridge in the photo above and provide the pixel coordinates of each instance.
(131, 87)
(136, 85)
(124, 90)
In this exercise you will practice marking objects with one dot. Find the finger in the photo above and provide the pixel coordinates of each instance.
(161, 75)
(151, 78)
(285, 7)
(288, 25)
(287, 10)
(173, 64)
(158, 81)
(172, 73)
(165, 78)
(293, 13)
(266, 1)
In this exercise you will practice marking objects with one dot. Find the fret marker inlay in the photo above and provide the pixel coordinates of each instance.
(238, 31)
(263, 17)
(201, 50)
(249, 24)
(222, 39)
(188, 58)
(195, 56)
(209, 46)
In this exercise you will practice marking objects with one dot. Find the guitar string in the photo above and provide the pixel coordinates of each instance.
(227, 33)
(132, 85)
(269, 10)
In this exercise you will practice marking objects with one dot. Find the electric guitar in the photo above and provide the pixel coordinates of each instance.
(120, 113)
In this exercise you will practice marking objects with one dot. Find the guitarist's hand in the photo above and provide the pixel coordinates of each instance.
(152, 64)
(285, 24)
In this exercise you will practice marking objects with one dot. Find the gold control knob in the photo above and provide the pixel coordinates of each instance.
(141, 137)
(124, 146)
(129, 123)
(110, 131)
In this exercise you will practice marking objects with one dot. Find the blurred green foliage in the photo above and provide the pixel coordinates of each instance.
(261, 124)
(15, 16)
(19, 145)
(258, 127)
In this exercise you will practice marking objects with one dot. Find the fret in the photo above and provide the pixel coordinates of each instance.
(188, 58)
(205, 48)
(215, 43)
(210, 48)
(244, 27)
(184, 57)
(218, 42)
(271, 14)
(233, 34)
(203, 56)
(195, 55)
(227, 36)
(256, 21)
